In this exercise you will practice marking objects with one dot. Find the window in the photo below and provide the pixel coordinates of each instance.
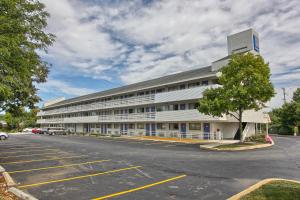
(160, 90)
(130, 110)
(195, 126)
(140, 110)
(182, 87)
(173, 126)
(182, 106)
(172, 88)
(215, 81)
(193, 106)
(161, 126)
(97, 125)
(108, 125)
(159, 108)
(116, 112)
(140, 126)
(204, 83)
(131, 126)
(191, 85)
(116, 126)
(175, 106)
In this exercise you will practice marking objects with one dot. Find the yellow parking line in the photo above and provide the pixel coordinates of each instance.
(9, 152)
(28, 161)
(37, 154)
(139, 188)
(60, 166)
(78, 177)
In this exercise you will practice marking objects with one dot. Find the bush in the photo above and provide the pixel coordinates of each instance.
(259, 138)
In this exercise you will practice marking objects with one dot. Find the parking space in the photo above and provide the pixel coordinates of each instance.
(49, 171)
(81, 167)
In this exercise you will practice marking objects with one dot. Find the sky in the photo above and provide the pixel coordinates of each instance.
(102, 44)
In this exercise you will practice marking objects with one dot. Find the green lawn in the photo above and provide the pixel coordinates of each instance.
(275, 190)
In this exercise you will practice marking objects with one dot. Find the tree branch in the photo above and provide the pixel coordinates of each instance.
(233, 115)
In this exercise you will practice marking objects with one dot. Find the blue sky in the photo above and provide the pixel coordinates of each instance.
(101, 44)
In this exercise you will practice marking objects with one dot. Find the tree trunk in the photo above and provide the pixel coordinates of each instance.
(241, 125)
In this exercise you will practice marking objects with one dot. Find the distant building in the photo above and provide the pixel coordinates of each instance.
(164, 106)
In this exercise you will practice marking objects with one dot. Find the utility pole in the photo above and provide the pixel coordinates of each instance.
(284, 95)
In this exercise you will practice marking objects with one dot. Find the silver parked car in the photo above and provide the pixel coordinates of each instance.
(3, 136)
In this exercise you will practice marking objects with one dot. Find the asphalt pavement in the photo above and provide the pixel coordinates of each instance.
(81, 167)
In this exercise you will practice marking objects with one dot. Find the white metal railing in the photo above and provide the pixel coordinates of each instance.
(136, 100)
(148, 116)
(128, 117)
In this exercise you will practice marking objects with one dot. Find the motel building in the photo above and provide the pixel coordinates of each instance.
(163, 107)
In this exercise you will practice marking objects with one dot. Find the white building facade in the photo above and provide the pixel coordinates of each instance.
(162, 107)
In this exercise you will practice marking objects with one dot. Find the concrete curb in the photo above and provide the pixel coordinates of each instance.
(8, 179)
(259, 146)
(2, 169)
(256, 186)
(15, 191)
(22, 195)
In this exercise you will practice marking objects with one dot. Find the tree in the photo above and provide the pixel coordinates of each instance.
(22, 120)
(296, 95)
(22, 24)
(287, 117)
(245, 84)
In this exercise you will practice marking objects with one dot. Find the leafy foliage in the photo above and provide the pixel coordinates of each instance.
(245, 85)
(23, 120)
(22, 24)
(287, 118)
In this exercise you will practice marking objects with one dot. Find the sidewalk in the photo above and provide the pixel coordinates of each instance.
(180, 140)
(212, 145)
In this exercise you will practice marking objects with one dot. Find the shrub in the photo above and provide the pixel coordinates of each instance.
(259, 138)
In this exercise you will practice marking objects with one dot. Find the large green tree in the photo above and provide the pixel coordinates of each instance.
(22, 35)
(245, 84)
(287, 117)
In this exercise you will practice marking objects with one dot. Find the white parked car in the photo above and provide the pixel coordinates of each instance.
(27, 130)
(3, 136)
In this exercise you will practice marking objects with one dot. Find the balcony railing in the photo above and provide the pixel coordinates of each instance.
(136, 100)
(141, 117)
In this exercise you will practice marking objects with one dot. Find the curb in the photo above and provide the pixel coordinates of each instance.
(259, 146)
(15, 191)
(258, 185)
(22, 195)
(8, 179)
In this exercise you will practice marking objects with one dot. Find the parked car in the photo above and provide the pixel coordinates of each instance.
(56, 131)
(27, 130)
(36, 131)
(3, 136)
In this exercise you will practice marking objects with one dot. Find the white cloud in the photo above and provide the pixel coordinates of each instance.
(63, 88)
(134, 42)
(79, 45)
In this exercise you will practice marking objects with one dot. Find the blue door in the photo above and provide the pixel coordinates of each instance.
(153, 130)
(183, 130)
(206, 130)
(147, 129)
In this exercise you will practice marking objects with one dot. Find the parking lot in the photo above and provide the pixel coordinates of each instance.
(81, 167)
